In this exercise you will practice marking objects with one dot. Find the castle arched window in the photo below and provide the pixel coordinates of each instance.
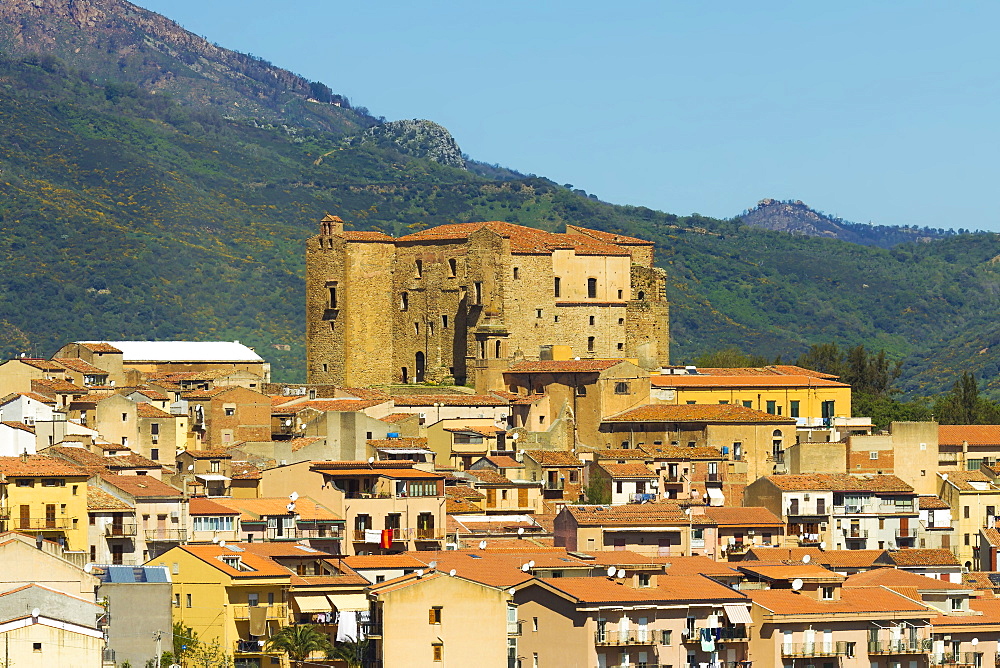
(404, 301)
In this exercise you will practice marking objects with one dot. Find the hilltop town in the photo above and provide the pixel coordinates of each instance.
(492, 431)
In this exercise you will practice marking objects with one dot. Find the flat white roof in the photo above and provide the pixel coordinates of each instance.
(183, 351)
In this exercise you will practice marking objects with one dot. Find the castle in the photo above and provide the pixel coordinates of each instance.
(463, 302)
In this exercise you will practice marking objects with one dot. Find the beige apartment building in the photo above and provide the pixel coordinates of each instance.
(463, 301)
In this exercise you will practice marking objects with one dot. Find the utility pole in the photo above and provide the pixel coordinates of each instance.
(159, 648)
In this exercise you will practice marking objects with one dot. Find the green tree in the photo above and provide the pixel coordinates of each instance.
(823, 357)
(351, 651)
(209, 655)
(729, 358)
(964, 405)
(185, 639)
(598, 491)
(299, 641)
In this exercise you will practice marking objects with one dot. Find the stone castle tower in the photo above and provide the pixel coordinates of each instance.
(464, 301)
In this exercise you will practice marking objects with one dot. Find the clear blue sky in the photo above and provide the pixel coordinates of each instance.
(884, 112)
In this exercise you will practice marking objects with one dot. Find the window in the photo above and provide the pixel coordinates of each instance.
(177, 600)
(230, 411)
(444, 322)
(772, 407)
(434, 616)
(253, 600)
(592, 288)
(479, 292)
(214, 466)
(538, 313)
(793, 409)
(154, 429)
(188, 600)
(621, 294)
(666, 638)
(213, 523)
(967, 539)
(534, 624)
(621, 321)
(452, 267)
(517, 273)
(873, 454)
(590, 344)
(270, 598)
(644, 579)
(437, 652)
(965, 514)
(557, 287)
(404, 301)
(956, 603)
(416, 328)
(827, 593)
(748, 404)
(581, 390)
(154, 454)
(591, 320)
(622, 388)
(621, 346)
(419, 266)
(555, 318)
(124, 417)
(53, 482)
(125, 441)
(36, 647)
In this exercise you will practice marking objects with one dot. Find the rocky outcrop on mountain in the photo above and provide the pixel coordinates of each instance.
(114, 40)
(418, 138)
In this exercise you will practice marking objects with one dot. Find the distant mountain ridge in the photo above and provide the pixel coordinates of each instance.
(795, 217)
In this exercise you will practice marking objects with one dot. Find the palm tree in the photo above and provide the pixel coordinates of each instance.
(298, 642)
(351, 651)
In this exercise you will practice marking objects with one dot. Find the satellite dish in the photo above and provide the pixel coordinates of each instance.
(432, 565)
(482, 545)
(89, 568)
(975, 641)
(621, 572)
(371, 460)
(611, 571)
(520, 531)
(215, 539)
(452, 572)
(797, 584)
(822, 545)
(222, 543)
(420, 573)
(732, 540)
(515, 436)
(290, 507)
(35, 612)
(525, 568)
(806, 558)
(531, 563)
(190, 467)
(294, 496)
(511, 591)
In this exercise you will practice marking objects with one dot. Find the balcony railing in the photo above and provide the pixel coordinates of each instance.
(874, 509)
(166, 535)
(676, 478)
(331, 532)
(397, 534)
(253, 647)
(276, 611)
(951, 659)
(514, 628)
(624, 638)
(641, 498)
(553, 486)
(713, 477)
(900, 647)
(855, 534)
(119, 530)
(42, 524)
(814, 649)
(948, 457)
(724, 634)
(430, 534)
(906, 533)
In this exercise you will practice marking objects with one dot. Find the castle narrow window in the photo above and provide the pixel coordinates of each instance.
(404, 301)
(538, 313)
(621, 294)
(621, 321)
(621, 346)
(420, 268)
(591, 288)
(444, 322)
(452, 267)
(517, 273)
(591, 320)
(416, 328)
(622, 388)
(498, 350)
(641, 295)
(557, 287)
(479, 292)
(590, 344)
(333, 296)
(482, 350)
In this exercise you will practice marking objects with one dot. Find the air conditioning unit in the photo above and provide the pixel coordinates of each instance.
(822, 525)
(806, 497)
(175, 515)
(422, 416)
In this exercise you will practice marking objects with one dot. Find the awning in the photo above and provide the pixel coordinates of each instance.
(348, 601)
(312, 602)
(210, 477)
(738, 613)
(716, 496)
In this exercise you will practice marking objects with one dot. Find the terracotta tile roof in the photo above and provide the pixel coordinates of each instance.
(627, 470)
(300, 442)
(150, 411)
(460, 506)
(638, 514)
(423, 400)
(396, 417)
(681, 452)
(697, 413)
(621, 453)
(554, 457)
(217, 453)
(786, 572)
(770, 370)
(783, 554)
(199, 505)
(80, 366)
(850, 558)
(518, 399)
(42, 364)
(462, 492)
(523, 240)
(683, 380)
(489, 477)
(504, 462)
(14, 424)
(38, 465)
(962, 480)
(398, 443)
(142, 486)
(932, 503)
(154, 395)
(563, 366)
(696, 565)
(260, 566)
(365, 236)
(333, 405)
(84, 457)
(840, 482)
(992, 536)
(673, 588)
(56, 386)
(749, 516)
(973, 434)
(34, 396)
(205, 394)
(98, 499)
(255, 509)
(893, 578)
(397, 469)
(608, 237)
(922, 557)
(98, 346)
(244, 471)
(853, 600)
(384, 561)
(989, 615)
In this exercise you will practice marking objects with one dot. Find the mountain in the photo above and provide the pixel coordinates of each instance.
(129, 213)
(795, 217)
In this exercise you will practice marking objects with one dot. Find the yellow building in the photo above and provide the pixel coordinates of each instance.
(45, 496)
(974, 498)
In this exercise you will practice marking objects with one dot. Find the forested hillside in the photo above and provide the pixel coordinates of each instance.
(126, 214)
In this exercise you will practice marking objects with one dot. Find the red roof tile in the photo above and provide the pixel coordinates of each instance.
(973, 434)
(38, 465)
(563, 366)
(748, 516)
(685, 380)
(923, 557)
(697, 413)
(839, 482)
(627, 470)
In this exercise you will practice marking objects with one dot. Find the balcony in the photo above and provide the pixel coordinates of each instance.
(397, 534)
(330, 532)
(554, 485)
(855, 534)
(713, 477)
(951, 660)
(430, 534)
(278, 611)
(641, 498)
(514, 628)
(900, 647)
(119, 530)
(904, 534)
(619, 638)
(940, 525)
(948, 457)
(726, 634)
(42, 524)
(252, 647)
(814, 649)
(166, 535)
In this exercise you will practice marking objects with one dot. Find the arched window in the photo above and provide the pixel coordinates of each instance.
(498, 348)
(640, 295)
